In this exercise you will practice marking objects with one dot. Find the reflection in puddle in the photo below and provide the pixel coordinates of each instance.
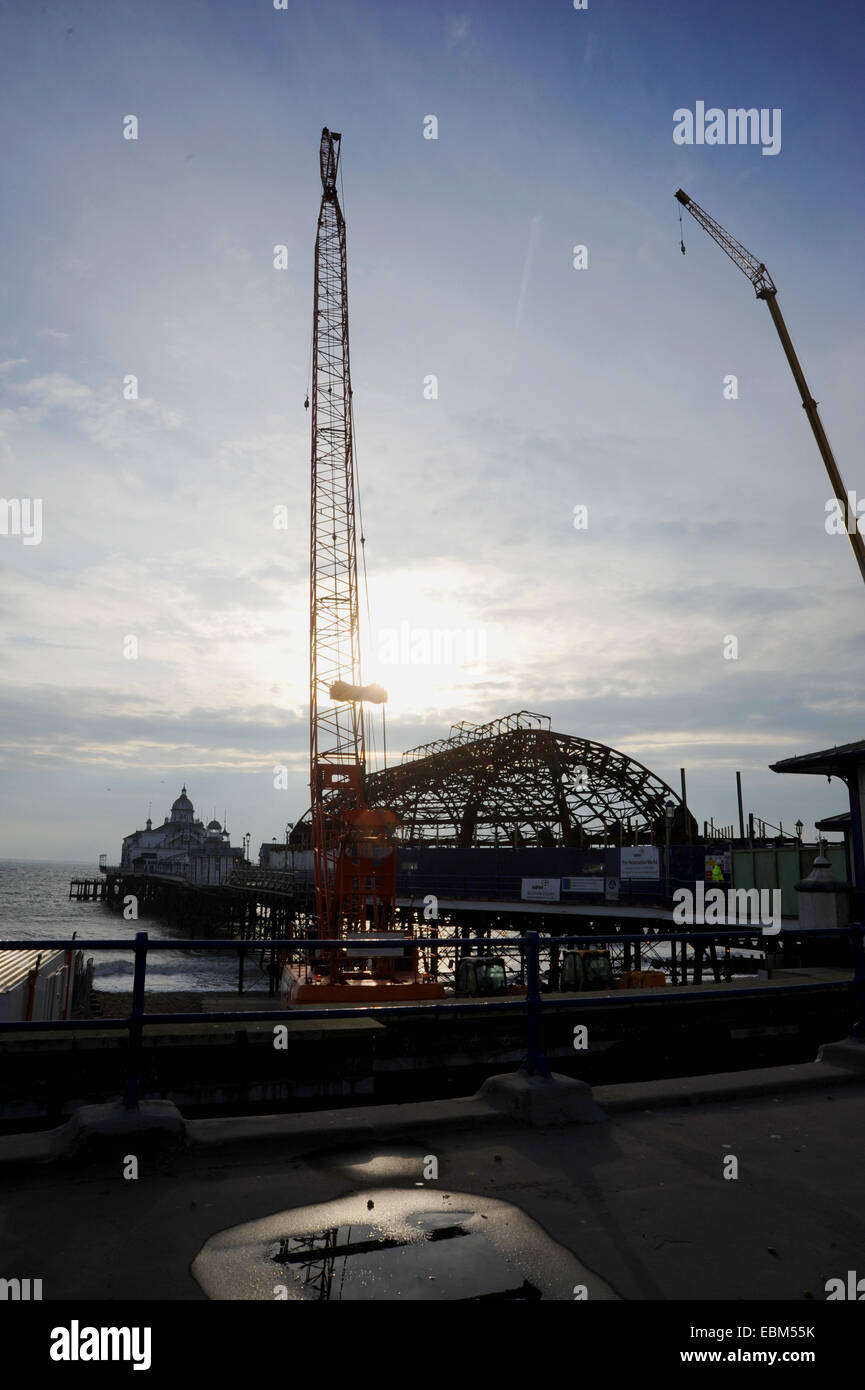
(393, 1244)
(356, 1262)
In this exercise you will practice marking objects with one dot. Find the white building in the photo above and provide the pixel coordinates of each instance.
(182, 845)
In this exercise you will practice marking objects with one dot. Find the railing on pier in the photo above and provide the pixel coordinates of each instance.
(87, 890)
(267, 880)
(534, 1004)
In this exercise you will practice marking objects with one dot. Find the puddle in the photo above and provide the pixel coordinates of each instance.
(350, 1263)
(397, 1245)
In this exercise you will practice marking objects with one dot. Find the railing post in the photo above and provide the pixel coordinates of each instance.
(534, 1062)
(132, 1089)
(858, 1030)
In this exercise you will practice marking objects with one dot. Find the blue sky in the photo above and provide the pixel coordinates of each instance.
(556, 387)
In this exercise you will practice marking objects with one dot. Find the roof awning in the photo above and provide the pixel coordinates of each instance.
(841, 821)
(839, 761)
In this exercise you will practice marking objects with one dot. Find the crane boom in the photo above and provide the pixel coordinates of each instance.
(336, 742)
(765, 288)
(363, 955)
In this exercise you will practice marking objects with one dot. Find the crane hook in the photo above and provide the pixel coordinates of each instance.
(306, 404)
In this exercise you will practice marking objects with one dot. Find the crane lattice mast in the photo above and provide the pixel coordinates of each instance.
(336, 740)
(346, 834)
(765, 288)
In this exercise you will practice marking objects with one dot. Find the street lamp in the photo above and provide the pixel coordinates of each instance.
(669, 812)
(799, 828)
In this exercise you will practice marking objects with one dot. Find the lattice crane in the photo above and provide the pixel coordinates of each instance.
(354, 848)
(765, 288)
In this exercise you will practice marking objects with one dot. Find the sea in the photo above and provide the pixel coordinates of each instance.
(34, 903)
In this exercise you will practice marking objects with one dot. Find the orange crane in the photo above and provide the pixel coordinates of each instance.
(765, 288)
(354, 844)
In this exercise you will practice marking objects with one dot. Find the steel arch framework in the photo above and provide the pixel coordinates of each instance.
(515, 781)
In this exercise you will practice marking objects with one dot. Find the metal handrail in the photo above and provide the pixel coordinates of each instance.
(534, 1062)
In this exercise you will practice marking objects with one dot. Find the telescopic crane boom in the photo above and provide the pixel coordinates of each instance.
(765, 288)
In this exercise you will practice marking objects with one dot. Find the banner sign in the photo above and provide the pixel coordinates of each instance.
(541, 890)
(639, 861)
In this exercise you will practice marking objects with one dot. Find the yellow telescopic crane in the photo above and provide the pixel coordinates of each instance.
(765, 288)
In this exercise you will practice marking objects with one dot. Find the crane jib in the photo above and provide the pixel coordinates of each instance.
(767, 290)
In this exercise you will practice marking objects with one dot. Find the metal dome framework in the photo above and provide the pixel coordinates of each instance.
(516, 782)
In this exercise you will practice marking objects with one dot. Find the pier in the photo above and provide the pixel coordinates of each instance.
(254, 903)
(88, 890)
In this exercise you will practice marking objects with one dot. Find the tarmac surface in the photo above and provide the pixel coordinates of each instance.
(639, 1201)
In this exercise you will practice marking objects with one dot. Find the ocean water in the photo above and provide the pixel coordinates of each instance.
(34, 902)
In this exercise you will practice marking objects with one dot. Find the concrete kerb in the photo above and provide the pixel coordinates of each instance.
(330, 1128)
(508, 1098)
(542, 1100)
(153, 1125)
(721, 1086)
(848, 1054)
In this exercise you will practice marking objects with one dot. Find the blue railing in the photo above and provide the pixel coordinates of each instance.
(534, 1061)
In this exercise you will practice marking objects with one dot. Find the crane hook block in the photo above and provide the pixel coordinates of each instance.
(373, 694)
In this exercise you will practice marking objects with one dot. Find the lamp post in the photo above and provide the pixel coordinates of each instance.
(669, 812)
(799, 828)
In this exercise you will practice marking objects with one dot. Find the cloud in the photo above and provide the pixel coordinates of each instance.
(103, 415)
(54, 391)
(125, 731)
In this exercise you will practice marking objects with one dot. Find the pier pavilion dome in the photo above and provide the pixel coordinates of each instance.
(182, 810)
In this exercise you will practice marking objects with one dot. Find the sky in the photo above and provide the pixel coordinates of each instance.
(558, 387)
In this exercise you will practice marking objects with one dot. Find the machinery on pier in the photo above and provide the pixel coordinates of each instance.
(353, 843)
(766, 289)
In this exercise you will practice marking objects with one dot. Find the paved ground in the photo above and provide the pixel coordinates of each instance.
(639, 1200)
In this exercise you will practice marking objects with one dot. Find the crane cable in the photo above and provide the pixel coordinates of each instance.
(370, 731)
(681, 231)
